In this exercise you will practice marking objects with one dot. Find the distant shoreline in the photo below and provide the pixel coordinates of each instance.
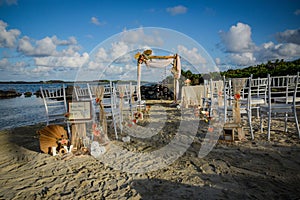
(47, 82)
(66, 82)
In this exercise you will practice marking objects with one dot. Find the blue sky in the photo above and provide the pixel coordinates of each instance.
(52, 39)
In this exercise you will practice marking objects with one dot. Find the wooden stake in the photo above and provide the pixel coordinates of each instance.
(139, 82)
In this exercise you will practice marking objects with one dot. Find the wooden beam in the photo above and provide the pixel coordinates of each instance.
(161, 57)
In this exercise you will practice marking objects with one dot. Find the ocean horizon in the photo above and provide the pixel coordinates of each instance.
(22, 111)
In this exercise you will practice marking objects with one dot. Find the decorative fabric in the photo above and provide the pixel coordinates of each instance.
(99, 98)
(158, 63)
(218, 87)
(178, 65)
(237, 85)
(192, 95)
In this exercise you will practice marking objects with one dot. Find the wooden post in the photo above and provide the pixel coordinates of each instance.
(175, 97)
(139, 82)
(78, 133)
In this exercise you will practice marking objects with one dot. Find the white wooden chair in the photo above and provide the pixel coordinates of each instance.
(257, 93)
(116, 111)
(236, 104)
(283, 110)
(228, 98)
(254, 94)
(55, 103)
(231, 88)
(125, 93)
(111, 105)
(213, 95)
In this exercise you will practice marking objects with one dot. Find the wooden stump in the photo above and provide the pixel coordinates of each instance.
(78, 133)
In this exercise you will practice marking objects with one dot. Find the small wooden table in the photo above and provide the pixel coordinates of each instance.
(233, 127)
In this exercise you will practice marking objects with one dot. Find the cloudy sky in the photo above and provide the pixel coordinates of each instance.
(56, 39)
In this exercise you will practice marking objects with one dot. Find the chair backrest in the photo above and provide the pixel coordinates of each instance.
(55, 103)
(116, 110)
(283, 89)
(227, 91)
(297, 84)
(259, 87)
(227, 95)
(108, 95)
(83, 93)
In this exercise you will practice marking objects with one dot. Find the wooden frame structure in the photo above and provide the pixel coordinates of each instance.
(145, 57)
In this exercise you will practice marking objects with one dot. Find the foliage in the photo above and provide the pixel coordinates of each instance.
(276, 68)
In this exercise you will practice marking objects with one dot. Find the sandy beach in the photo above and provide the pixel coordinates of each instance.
(250, 169)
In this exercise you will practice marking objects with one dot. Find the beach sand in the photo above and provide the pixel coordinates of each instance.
(251, 169)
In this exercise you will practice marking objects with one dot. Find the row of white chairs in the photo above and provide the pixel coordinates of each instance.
(116, 99)
(271, 98)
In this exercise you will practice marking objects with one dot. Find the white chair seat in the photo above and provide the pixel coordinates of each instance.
(289, 99)
(255, 101)
(278, 108)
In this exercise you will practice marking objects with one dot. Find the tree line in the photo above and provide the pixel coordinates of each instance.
(275, 68)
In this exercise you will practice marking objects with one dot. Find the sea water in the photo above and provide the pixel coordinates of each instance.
(22, 111)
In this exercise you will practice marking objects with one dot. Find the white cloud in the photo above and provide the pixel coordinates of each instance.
(4, 63)
(237, 39)
(217, 61)
(43, 47)
(8, 37)
(41, 69)
(94, 20)
(114, 70)
(176, 10)
(192, 55)
(289, 36)
(289, 50)
(47, 46)
(271, 51)
(69, 51)
(242, 51)
(70, 41)
(101, 55)
(243, 59)
(118, 49)
(138, 36)
(74, 61)
(93, 65)
(25, 45)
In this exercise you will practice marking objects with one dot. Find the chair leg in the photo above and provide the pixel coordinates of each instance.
(285, 122)
(261, 124)
(269, 125)
(296, 121)
(250, 123)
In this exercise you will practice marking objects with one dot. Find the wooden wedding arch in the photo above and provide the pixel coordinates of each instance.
(155, 61)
